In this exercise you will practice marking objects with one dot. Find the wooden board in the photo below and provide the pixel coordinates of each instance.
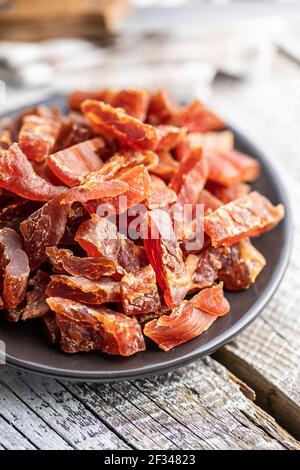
(193, 408)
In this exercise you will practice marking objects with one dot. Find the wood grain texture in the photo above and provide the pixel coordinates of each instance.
(267, 354)
(196, 407)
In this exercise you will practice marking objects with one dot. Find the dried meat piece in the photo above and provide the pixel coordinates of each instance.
(209, 201)
(197, 118)
(127, 129)
(43, 228)
(38, 135)
(228, 193)
(5, 140)
(81, 289)
(77, 97)
(231, 167)
(72, 164)
(166, 166)
(139, 188)
(190, 177)
(165, 256)
(222, 140)
(84, 329)
(241, 269)
(170, 137)
(34, 304)
(14, 268)
(183, 324)
(17, 175)
(16, 210)
(249, 215)
(211, 300)
(161, 195)
(161, 109)
(92, 268)
(139, 292)
(237, 266)
(51, 328)
(99, 237)
(134, 102)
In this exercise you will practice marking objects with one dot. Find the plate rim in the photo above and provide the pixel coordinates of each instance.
(216, 342)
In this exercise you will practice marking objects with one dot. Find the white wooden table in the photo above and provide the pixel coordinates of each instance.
(247, 396)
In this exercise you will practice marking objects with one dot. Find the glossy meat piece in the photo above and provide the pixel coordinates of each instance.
(139, 292)
(14, 268)
(249, 215)
(134, 102)
(34, 305)
(161, 109)
(165, 256)
(161, 195)
(190, 177)
(84, 329)
(139, 188)
(197, 118)
(231, 167)
(228, 193)
(74, 163)
(81, 289)
(211, 300)
(99, 237)
(210, 202)
(183, 324)
(222, 140)
(170, 137)
(166, 166)
(237, 266)
(128, 130)
(50, 327)
(92, 268)
(17, 175)
(38, 135)
(43, 228)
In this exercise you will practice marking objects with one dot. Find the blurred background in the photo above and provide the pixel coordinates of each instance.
(183, 45)
(241, 57)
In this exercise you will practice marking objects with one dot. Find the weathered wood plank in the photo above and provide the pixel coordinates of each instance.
(24, 420)
(267, 354)
(57, 407)
(197, 407)
(205, 399)
(11, 439)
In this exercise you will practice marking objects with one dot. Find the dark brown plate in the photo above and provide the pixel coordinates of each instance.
(27, 347)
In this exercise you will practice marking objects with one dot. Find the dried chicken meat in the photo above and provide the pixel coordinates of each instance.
(72, 164)
(190, 177)
(38, 135)
(43, 228)
(197, 118)
(249, 215)
(125, 217)
(84, 329)
(65, 261)
(14, 268)
(128, 130)
(237, 266)
(139, 292)
(165, 256)
(81, 289)
(18, 176)
(99, 238)
(184, 323)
